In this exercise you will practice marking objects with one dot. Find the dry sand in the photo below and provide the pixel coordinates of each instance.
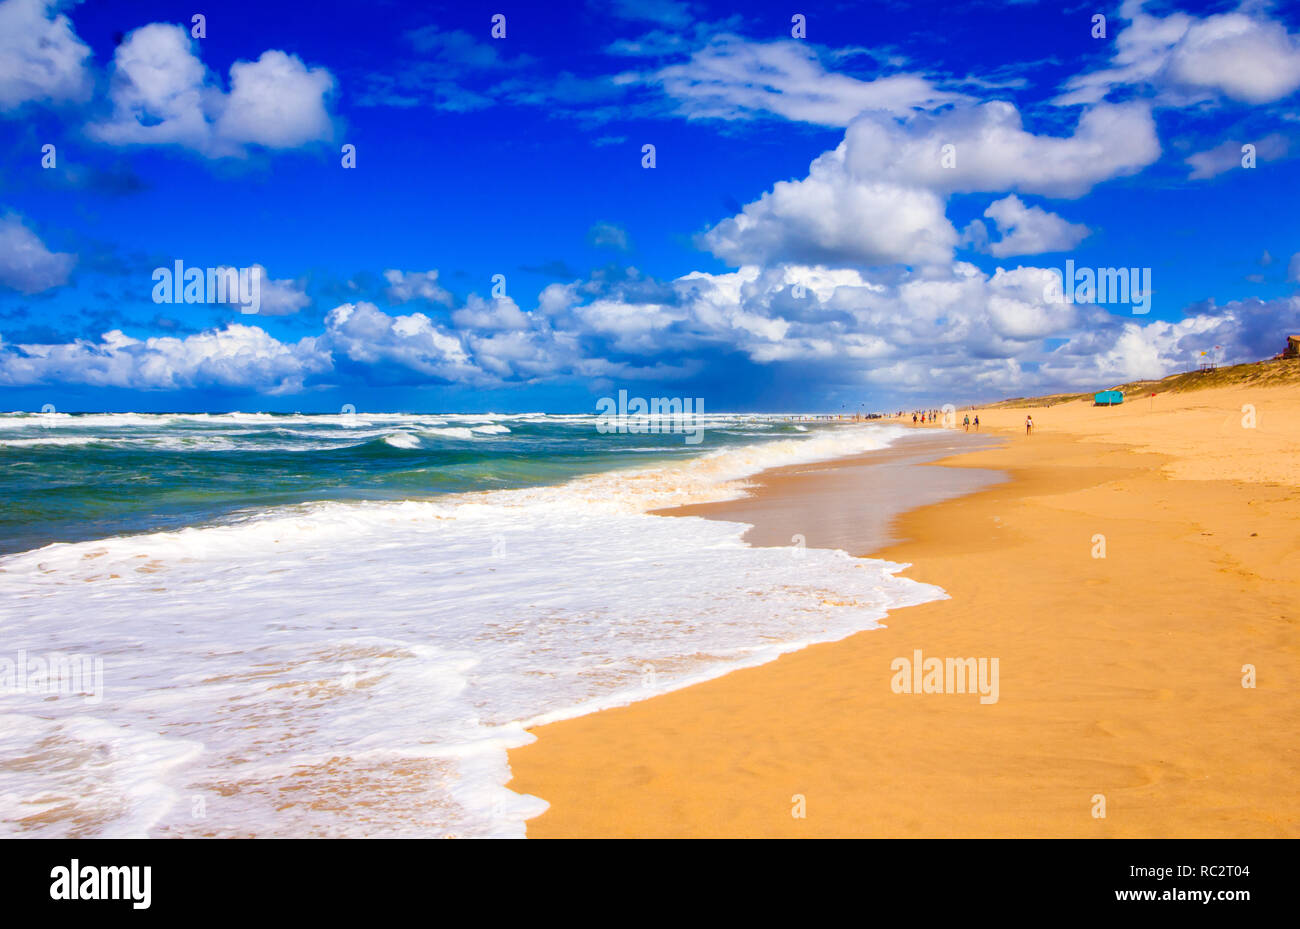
(1120, 677)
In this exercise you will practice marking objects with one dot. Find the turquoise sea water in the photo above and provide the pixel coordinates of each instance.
(70, 477)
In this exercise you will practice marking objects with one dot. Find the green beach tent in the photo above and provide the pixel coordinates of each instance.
(1108, 398)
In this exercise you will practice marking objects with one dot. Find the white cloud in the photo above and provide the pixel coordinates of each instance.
(1243, 55)
(1228, 155)
(365, 334)
(992, 151)
(1293, 269)
(280, 298)
(522, 355)
(961, 331)
(499, 313)
(405, 286)
(878, 197)
(634, 328)
(950, 330)
(235, 357)
(276, 101)
(26, 265)
(556, 298)
(830, 217)
(162, 94)
(847, 314)
(41, 57)
(1027, 230)
(732, 78)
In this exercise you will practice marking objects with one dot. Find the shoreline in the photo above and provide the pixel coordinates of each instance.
(1121, 676)
(853, 502)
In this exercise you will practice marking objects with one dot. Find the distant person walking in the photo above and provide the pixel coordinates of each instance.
(977, 422)
(1029, 424)
(966, 422)
(913, 419)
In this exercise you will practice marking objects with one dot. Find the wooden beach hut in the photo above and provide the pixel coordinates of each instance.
(1108, 398)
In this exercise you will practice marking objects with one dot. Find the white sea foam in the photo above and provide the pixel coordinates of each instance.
(402, 440)
(361, 668)
(53, 440)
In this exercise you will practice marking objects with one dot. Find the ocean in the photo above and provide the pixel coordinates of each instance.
(337, 625)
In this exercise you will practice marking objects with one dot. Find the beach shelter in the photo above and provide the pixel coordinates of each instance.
(1108, 398)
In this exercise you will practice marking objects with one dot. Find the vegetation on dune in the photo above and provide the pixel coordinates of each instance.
(1270, 373)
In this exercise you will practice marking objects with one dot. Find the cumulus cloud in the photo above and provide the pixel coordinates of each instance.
(955, 331)
(879, 197)
(1025, 230)
(945, 329)
(163, 94)
(26, 265)
(41, 58)
(802, 313)
(1181, 59)
(960, 330)
(405, 286)
(496, 314)
(733, 78)
(238, 356)
(367, 335)
(276, 102)
(1247, 330)
(831, 217)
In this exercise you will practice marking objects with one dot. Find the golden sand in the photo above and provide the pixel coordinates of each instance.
(1121, 677)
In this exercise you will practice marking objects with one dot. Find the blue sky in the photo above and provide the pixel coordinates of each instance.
(805, 239)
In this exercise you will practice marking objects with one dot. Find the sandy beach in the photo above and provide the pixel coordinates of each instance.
(1134, 570)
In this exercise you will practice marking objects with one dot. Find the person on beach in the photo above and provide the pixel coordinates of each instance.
(1029, 424)
(966, 423)
(913, 419)
(977, 422)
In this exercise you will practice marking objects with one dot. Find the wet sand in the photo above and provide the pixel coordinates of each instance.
(853, 503)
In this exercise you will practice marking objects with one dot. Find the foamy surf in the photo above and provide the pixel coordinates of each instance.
(402, 440)
(362, 668)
